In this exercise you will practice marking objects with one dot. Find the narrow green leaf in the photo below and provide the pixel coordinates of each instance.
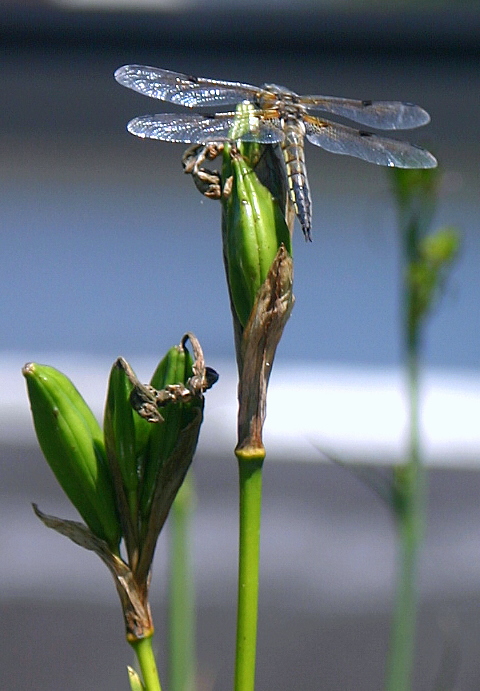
(134, 679)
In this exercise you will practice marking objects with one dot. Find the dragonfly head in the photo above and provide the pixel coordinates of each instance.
(274, 96)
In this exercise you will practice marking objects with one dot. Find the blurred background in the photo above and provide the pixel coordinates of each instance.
(108, 249)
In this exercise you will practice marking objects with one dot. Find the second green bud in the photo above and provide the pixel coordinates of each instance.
(254, 227)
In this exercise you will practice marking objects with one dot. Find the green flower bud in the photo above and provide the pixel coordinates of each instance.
(173, 404)
(441, 247)
(254, 227)
(120, 438)
(416, 192)
(426, 275)
(72, 443)
(119, 428)
(174, 369)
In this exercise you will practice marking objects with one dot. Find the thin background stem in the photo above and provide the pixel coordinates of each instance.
(410, 491)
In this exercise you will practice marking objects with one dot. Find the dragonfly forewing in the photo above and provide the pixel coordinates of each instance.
(182, 89)
(340, 139)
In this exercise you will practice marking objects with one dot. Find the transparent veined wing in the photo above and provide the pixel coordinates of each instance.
(182, 89)
(340, 139)
(201, 129)
(384, 115)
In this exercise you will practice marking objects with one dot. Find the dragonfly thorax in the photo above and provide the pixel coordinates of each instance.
(278, 97)
(285, 103)
(282, 91)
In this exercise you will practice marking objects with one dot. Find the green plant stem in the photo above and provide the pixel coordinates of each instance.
(146, 660)
(410, 507)
(182, 658)
(250, 473)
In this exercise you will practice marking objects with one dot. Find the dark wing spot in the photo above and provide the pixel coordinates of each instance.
(364, 134)
(367, 103)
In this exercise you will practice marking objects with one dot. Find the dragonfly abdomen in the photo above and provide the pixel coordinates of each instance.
(298, 187)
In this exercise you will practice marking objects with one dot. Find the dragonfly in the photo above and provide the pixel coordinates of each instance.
(280, 117)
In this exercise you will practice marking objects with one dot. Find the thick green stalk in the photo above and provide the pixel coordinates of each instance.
(146, 660)
(410, 493)
(250, 473)
(182, 658)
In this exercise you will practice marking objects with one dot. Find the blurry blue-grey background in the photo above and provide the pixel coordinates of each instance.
(108, 249)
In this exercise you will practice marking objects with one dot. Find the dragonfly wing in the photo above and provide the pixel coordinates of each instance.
(384, 115)
(182, 89)
(200, 129)
(340, 139)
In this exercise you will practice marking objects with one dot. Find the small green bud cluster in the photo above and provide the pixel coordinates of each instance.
(254, 225)
(429, 255)
(116, 478)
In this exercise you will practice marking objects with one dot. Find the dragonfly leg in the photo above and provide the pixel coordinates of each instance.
(208, 182)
